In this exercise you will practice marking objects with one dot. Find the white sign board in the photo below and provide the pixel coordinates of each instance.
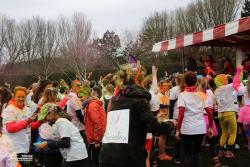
(117, 129)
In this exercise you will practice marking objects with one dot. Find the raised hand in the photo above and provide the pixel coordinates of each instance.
(154, 70)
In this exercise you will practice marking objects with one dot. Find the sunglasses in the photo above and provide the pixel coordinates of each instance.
(79, 85)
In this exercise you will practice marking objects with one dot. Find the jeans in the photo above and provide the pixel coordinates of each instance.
(49, 157)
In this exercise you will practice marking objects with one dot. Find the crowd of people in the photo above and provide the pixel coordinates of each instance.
(117, 121)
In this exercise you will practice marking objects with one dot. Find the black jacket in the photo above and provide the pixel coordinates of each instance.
(133, 154)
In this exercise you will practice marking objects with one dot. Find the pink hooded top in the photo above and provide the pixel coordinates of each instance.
(244, 113)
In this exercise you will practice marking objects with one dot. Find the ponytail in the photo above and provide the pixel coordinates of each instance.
(62, 113)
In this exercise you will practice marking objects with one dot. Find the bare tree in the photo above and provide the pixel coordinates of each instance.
(28, 36)
(219, 11)
(129, 42)
(76, 44)
(246, 9)
(159, 26)
(2, 36)
(47, 44)
(203, 14)
(13, 43)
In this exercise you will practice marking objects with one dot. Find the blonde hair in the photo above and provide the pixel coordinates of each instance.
(20, 88)
(180, 81)
(202, 84)
(127, 75)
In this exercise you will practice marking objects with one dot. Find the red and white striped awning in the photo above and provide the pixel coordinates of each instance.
(233, 34)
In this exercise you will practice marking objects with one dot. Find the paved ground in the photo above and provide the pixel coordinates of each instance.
(242, 158)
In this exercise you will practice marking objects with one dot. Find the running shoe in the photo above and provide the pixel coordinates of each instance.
(165, 157)
(229, 154)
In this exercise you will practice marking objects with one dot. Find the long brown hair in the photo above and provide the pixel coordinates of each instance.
(180, 81)
(38, 92)
(50, 95)
(5, 97)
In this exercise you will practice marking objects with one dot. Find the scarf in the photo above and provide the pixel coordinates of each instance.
(191, 89)
(13, 102)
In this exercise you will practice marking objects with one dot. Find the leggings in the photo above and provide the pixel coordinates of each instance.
(229, 128)
(192, 149)
(246, 128)
(213, 145)
(94, 153)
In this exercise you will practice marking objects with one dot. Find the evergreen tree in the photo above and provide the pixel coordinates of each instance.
(109, 46)
(246, 9)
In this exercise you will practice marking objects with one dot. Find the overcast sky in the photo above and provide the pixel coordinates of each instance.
(117, 15)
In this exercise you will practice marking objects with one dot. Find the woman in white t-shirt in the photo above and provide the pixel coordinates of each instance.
(173, 111)
(7, 153)
(5, 97)
(67, 138)
(17, 124)
(150, 83)
(173, 96)
(50, 157)
(191, 124)
(241, 88)
(203, 86)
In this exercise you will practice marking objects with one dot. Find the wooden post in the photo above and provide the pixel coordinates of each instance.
(212, 49)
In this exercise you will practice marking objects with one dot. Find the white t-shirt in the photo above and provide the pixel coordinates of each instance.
(154, 102)
(193, 122)
(225, 98)
(6, 159)
(30, 103)
(236, 103)
(210, 98)
(20, 139)
(149, 136)
(242, 91)
(173, 95)
(77, 150)
(6, 142)
(29, 97)
(45, 132)
(74, 104)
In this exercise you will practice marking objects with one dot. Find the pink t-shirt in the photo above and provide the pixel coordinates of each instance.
(73, 105)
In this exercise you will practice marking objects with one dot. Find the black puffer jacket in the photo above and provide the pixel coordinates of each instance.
(132, 154)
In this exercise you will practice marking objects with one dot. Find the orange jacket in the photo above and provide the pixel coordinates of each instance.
(94, 121)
